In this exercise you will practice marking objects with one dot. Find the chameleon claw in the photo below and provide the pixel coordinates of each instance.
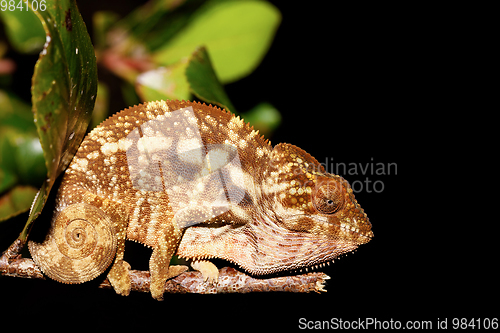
(208, 270)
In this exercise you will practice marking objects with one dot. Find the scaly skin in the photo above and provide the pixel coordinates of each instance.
(200, 183)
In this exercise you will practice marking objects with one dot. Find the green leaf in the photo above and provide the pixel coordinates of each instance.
(164, 83)
(152, 23)
(264, 117)
(64, 88)
(203, 81)
(7, 179)
(16, 201)
(237, 35)
(23, 29)
(64, 84)
(29, 159)
(124, 46)
(21, 156)
(15, 113)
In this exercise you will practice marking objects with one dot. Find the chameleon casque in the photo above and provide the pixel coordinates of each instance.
(194, 180)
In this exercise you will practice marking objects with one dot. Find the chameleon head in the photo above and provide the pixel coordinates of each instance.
(320, 208)
(324, 205)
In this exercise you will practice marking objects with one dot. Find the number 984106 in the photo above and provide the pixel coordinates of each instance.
(12, 5)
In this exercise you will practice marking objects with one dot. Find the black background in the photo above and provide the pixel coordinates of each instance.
(353, 84)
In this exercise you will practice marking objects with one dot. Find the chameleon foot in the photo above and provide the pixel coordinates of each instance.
(119, 277)
(208, 270)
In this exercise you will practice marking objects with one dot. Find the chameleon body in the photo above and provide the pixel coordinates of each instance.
(193, 180)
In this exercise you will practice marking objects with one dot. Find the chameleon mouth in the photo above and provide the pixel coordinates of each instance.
(356, 233)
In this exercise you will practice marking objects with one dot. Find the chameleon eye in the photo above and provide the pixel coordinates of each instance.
(328, 199)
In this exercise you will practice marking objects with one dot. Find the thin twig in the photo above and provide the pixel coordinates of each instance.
(230, 280)
(11, 263)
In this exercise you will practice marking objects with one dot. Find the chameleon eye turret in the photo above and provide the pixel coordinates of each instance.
(328, 198)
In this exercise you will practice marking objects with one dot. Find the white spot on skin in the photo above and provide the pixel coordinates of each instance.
(93, 155)
(152, 144)
(124, 144)
(235, 123)
(109, 148)
(80, 164)
(260, 152)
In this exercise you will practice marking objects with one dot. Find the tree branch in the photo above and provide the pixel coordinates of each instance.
(230, 280)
